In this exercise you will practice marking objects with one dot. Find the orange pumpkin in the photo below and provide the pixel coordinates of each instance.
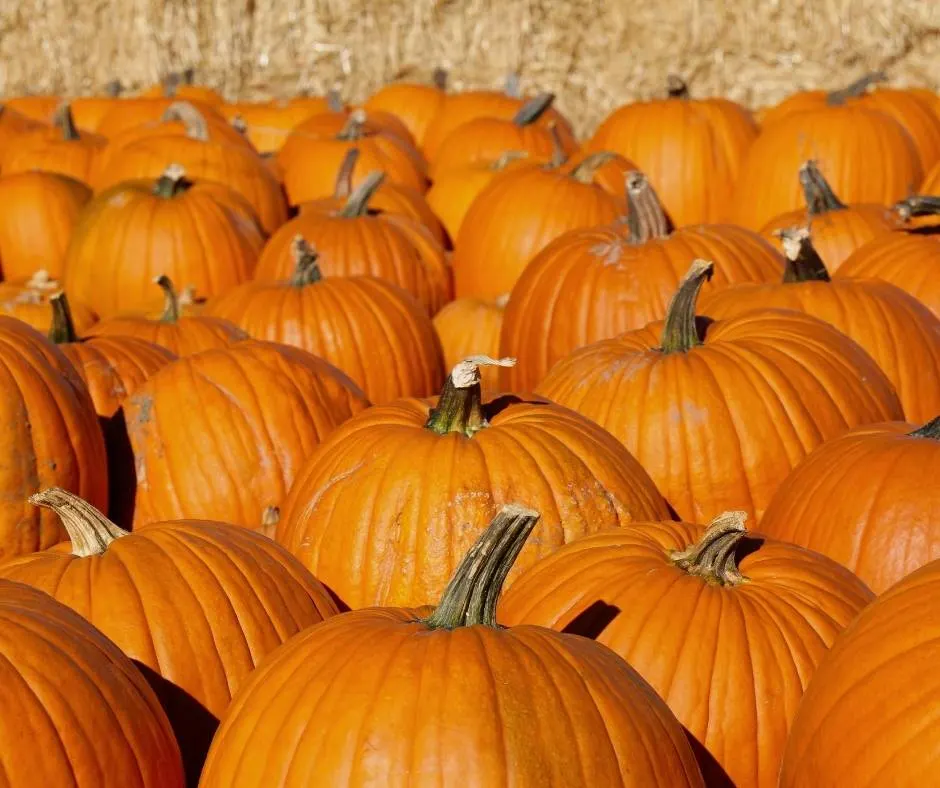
(416, 104)
(36, 107)
(662, 594)
(595, 283)
(371, 330)
(196, 604)
(76, 711)
(268, 123)
(720, 420)
(182, 85)
(29, 301)
(692, 150)
(129, 113)
(468, 327)
(838, 229)
(88, 111)
(13, 125)
(382, 511)
(40, 211)
(140, 229)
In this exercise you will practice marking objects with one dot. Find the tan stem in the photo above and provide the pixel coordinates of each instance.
(171, 302)
(646, 218)
(460, 406)
(172, 182)
(587, 169)
(713, 557)
(63, 120)
(358, 202)
(194, 122)
(306, 268)
(533, 109)
(343, 186)
(89, 530)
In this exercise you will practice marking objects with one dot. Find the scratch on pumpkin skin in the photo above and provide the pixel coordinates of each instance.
(143, 411)
(314, 502)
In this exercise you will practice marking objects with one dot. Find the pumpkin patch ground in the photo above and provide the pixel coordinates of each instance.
(441, 435)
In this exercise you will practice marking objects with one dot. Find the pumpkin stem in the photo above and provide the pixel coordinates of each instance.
(62, 330)
(559, 156)
(930, 430)
(63, 120)
(197, 128)
(587, 169)
(171, 301)
(459, 408)
(343, 186)
(334, 101)
(358, 202)
(512, 86)
(89, 530)
(238, 123)
(646, 218)
(533, 109)
(819, 196)
(803, 261)
(270, 517)
(917, 205)
(188, 75)
(172, 182)
(306, 269)
(113, 89)
(171, 83)
(713, 556)
(352, 129)
(680, 333)
(439, 78)
(676, 87)
(508, 157)
(472, 594)
(838, 97)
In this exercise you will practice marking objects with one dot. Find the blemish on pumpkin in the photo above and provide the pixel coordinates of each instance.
(144, 408)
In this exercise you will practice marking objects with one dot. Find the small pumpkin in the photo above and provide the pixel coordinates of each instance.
(720, 412)
(88, 111)
(13, 124)
(197, 604)
(415, 103)
(37, 107)
(662, 595)
(182, 85)
(267, 124)
(469, 326)
(567, 695)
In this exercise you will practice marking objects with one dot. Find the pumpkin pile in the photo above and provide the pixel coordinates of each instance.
(417, 442)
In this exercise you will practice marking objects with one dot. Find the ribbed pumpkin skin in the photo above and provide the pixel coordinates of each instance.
(866, 156)
(128, 236)
(183, 337)
(135, 112)
(593, 284)
(896, 330)
(262, 409)
(30, 304)
(45, 150)
(531, 707)
(470, 327)
(75, 710)
(50, 435)
(516, 216)
(14, 123)
(365, 245)
(373, 331)
(384, 509)
(40, 210)
(911, 262)
(416, 105)
(882, 531)
(869, 717)
(199, 603)
(720, 427)
(691, 150)
(730, 661)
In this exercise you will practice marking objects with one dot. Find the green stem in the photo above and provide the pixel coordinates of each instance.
(917, 205)
(646, 218)
(460, 407)
(343, 186)
(676, 87)
(172, 183)
(64, 120)
(472, 594)
(306, 269)
(352, 130)
(587, 169)
(680, 333)
(171, 301)
(533, 109)
(358, 202)
(89, 530)
(713, 557)
(62, 330)
(803, 261)
(819, 196)
(930, 430)
(838, 97)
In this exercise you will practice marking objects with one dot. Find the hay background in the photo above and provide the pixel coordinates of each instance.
(593, 53)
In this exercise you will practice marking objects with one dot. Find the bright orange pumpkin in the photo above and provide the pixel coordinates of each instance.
(470, 327)
(416, 104)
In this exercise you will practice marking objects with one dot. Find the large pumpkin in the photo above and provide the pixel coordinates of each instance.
(869, 717)
(720, 412)
(139, 230)
(691, 149)
(881, 531)
(595, 283)
(76, 711)
(663, 595)
(470, 326)
(447, 696)
(416, 104)
(894, 328)
(385, 507)
(370, 329)
(262, 409)
(197, 604)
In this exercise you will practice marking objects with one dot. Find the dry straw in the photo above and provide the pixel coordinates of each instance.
(593, 53)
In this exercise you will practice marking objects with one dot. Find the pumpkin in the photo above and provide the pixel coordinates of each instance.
(51, 437)
(910, 262)
(130, 113)
(13, 125)
(182, 85)
(416, 104)
(352, 241)
(882, 531)
(76, 711)
(869, 716)
(692, 150)
(37, 107)
(268, 123)
(720, 412)
(838, 229)
(530, 707)
(61, 149)
(140, 229)
(594, 283)
(265, 406)
(373, 331)
(196, 604)
(894, 328)
(311, 160)
(29, 301)
(88, 111)
(518, 214)
(40, 211)
(662, 595)
(382, 511)
(471, 326)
